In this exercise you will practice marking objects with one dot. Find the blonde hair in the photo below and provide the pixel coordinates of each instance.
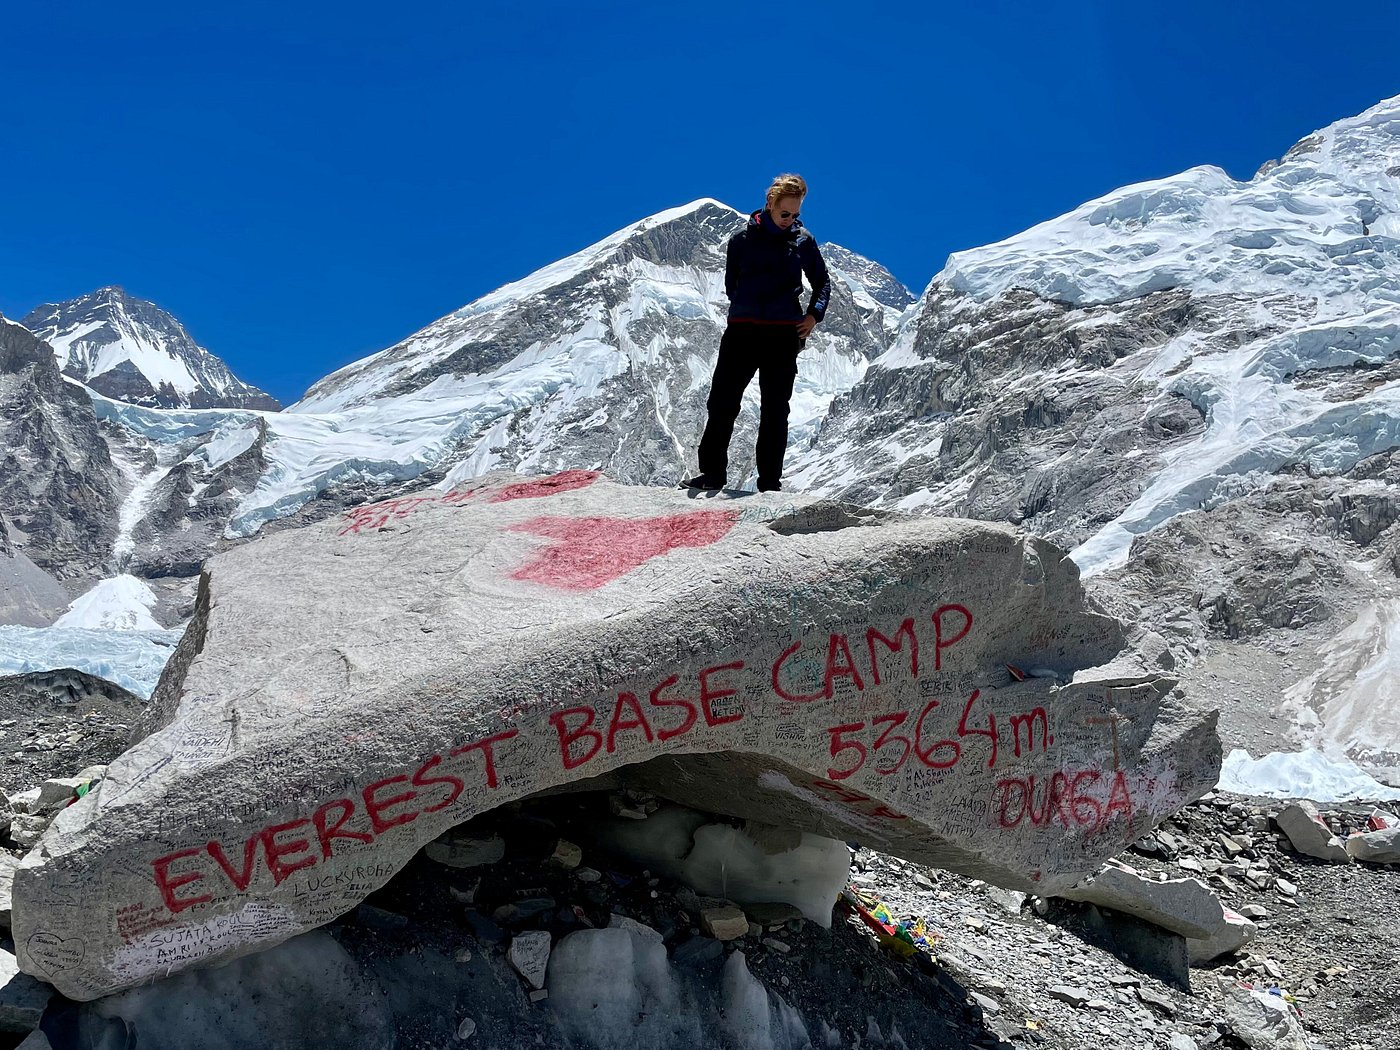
(788, 185)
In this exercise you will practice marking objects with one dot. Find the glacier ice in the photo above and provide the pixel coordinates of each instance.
(615, 989)
(133, 660)
(720, 860)
(305, 992)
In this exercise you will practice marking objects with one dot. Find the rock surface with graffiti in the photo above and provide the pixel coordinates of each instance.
(936, 688)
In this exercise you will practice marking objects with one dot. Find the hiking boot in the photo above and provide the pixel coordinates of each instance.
(770, 486)
(703, 481)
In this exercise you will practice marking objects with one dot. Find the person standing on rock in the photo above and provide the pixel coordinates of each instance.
(764, 264)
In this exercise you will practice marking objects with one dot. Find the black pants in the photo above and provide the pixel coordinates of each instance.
(771, 351)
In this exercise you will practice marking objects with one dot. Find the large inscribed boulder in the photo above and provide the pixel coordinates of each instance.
(347, 692)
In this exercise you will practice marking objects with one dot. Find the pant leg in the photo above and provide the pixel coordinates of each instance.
(734, 369)
(776, 375)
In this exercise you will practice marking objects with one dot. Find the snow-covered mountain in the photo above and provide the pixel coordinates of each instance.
(132, 350)
(1194, 383)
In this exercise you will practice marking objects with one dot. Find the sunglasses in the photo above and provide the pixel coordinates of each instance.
(789, 214)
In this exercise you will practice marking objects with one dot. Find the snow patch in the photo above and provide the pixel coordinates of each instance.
(122, 603)
(1303, 774)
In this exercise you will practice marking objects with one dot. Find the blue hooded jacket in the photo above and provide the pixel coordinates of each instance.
(763, 273)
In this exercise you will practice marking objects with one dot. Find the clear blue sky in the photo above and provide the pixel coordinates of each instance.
(304, 183)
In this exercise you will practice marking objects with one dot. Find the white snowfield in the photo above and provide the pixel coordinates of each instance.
(1322, 228)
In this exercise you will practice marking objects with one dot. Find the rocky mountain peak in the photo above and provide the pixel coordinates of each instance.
(868, 276)
(131, 350)
(21, 350)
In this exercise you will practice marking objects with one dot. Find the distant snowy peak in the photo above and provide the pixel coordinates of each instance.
(132, 350)
(1322, 222)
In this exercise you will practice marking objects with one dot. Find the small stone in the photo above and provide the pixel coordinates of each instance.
(466, 1029)
(620, 807)
(1287, 888)
(1148, 844)
(1069, 994)
(1254, 911)
(987, 1003)
(724, 923)
(1308, 833)
(23, 800)
(55, 794)
(1233, 847)
(484, 930)
(523, 911)
(777, 945)
(1157, 1000)
(1180, 1041)
(1098, 1004)
(1009, 901)
(529, 954)
(588, 875)
(772, 913)
(26, 831)
(465, 851)
(539, 995)
(1191, 864)
(923, 881)
(463, 955)
(566, 854)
